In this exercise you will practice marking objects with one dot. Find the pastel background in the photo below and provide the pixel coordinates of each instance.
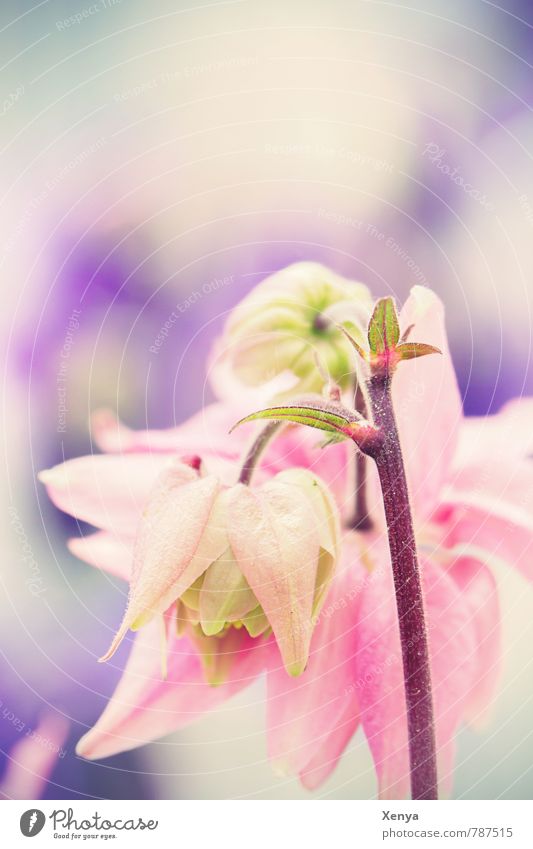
(160, 157)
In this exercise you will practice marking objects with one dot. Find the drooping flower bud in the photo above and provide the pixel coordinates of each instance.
(235, 557)
(290, 320)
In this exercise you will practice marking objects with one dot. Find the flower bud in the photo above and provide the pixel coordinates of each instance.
(235, 557)
(290, 320)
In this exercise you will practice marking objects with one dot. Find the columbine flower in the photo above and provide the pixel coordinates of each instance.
(465, 516)
(289, 321)
(218, 558)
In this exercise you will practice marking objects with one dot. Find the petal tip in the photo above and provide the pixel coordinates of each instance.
(115, 644)
(84, 749)
(296, 668)
(56, 476)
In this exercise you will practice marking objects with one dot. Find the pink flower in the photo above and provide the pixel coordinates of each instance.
(469, 507)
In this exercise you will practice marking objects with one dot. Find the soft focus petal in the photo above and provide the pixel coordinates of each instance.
(275, 542)
(426, 402)
(506, 437)
(205, 433)
(480, 592)
(107, 491)
(178, 538)
(105, 551)
(31, 761)
(311, 718)
(379, 675)
(145, 707)
(491, 508)
(488, 502)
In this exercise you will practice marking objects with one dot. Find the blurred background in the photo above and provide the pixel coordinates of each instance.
(165, 157)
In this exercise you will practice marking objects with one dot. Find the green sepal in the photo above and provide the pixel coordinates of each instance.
(383, 329)
(412, 350)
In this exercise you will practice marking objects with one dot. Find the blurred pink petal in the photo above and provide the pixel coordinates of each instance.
(507, 434)
(427, 402)
(492, 512)
(480, 592)
(107, 491)
(32, 759)
(145, 707)
(206, 432)
(379, 676)
(105, 551)
(312, 718)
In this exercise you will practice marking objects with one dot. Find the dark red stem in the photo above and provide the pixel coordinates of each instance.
(409, 601)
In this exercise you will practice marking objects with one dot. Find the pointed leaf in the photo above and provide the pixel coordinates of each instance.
(383, 329)
(362, 353)
(410, 350)
(406, 333)
(327, 416)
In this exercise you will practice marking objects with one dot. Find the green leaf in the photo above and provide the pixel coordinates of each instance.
(411, 350)
(362, 353)
(406, 333)
(383, 329)
(318, 417)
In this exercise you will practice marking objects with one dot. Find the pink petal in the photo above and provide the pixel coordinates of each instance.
(205, 433)
(506, 436)
(275, 542)
(107, 491)
(179, 537)
(329, 751)
(480, 592)
(311, 718)
(491, 509)
(488, 502)
(426, 402)
(379, 675)
(32, 759)
(105, 551)
(145, 707)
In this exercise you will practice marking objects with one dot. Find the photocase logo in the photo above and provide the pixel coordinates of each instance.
(32, 822)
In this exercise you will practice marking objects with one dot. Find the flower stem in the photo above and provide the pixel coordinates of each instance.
(256, 449)
(409, 599)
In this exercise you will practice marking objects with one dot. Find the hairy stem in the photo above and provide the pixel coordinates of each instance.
(409, 600)
(256, 449)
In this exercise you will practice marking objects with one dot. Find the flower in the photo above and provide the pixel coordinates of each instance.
(217, 558)
(468, 509)
(288, 321)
